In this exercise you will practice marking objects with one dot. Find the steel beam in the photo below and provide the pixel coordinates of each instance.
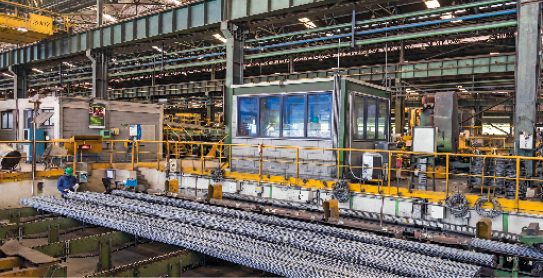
(6, 214)
(99, 73)
(40, 226)
(172, 263)
(82, 245)
(399, 102)
(20, 81)
(99, 12)
(10, 263)
(527, 73)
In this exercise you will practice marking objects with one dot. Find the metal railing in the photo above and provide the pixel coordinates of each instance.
(210, 157)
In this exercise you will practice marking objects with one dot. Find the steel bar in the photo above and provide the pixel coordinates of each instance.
(425, 249)
(322, 244)
(230, 247)
(258, 242)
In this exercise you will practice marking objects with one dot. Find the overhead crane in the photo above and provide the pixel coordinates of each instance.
(20, 24)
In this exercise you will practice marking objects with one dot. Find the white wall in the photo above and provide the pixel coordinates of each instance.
(12, 192)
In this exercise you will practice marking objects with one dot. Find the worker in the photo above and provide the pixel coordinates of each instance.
(67, 182)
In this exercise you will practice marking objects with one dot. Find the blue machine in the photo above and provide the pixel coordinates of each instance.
(130, 182)
(40, 147)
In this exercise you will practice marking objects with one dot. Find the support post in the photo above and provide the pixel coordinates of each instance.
(234, 70)
(527, 70)
(104, 258)
(20, 81)
(99, 12)
(399, 104)
(99, 73)
(290, 64)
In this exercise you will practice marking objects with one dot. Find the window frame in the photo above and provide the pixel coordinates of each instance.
(282, 101)
(257, 117)
(10, 119)
(48, 110)
(25, 114)
(377, 115)
(258, 114)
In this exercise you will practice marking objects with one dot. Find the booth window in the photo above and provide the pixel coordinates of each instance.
(370, 118)
(248, 114)
(294, 116)
(383, 126)
(285, 116)
(29, 117)
(7, 119)
(270, 114)
(318, 121)
(359, 118)
(371, 107)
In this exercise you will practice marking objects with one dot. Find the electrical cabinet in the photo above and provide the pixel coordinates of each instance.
(526, 141)
(82, 177)
(175, 165)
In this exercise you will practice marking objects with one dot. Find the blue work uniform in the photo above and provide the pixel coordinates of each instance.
(66, 182)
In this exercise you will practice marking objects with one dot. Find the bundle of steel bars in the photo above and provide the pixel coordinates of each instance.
(273, 244)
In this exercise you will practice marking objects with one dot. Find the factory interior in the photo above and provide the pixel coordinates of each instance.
(271, 138)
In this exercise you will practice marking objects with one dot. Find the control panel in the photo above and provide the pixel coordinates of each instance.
(175, 165)
(526, 141)
(82, 177)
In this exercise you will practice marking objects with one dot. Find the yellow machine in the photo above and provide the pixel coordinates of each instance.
(20, 24)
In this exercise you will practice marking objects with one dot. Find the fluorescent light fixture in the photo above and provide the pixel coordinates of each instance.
(68, 64)
(219, 37)
(109, 17)
(22, 29)
(432, 4)
(37, 70)
(494, 53)
(158, 49)
(8, 75)
(175, 2)
(447, 16)
(277, 73)
(307, 22)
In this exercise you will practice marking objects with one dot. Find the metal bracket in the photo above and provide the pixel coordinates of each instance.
(15, 217)
(104, 257)
(175, 271)
(54, 234)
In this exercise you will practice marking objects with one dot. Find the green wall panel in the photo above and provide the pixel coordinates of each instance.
(197, 15)
(279, 4)
(182, 18)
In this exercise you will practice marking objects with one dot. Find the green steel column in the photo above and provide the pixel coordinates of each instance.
(20, 81)
(99, 66)
(527, 73)
(234, 69)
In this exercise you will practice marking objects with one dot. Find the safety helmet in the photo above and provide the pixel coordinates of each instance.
(69, 171)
